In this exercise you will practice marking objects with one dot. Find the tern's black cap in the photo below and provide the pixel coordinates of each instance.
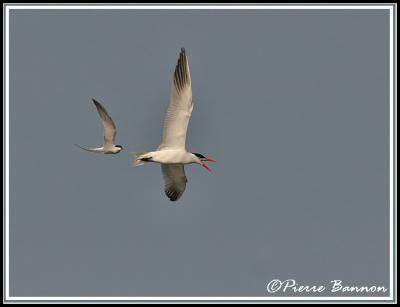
(198, 155)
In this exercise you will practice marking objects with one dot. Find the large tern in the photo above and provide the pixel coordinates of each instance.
(110, 132)
(172, 154)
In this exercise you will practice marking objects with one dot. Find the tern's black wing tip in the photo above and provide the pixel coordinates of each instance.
(181, 74)
(95, 101)
(173, 195)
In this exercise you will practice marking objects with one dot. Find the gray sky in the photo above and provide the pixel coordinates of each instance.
(293, 105)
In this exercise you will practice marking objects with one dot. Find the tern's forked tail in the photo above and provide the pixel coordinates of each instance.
(139, 158)
(98, 150)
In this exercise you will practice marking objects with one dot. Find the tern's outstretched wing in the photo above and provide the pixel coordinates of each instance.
(180, 106)
(174, 179)
(108, 125)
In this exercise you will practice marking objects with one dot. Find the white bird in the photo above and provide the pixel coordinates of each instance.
(172, 154)
(110, 132)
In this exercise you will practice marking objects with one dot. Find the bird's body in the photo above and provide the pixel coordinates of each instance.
(110, 132)
(169, 156)
(113, 150)
(172, 153)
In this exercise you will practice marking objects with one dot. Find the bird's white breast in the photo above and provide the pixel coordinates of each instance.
(171, 156)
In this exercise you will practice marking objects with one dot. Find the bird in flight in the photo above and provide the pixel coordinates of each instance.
(110, 132)
(172, 154)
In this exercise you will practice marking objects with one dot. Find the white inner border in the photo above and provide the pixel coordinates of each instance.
(191, 7)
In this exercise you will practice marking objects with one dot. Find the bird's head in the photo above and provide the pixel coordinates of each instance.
(200, 159)
(120, 147)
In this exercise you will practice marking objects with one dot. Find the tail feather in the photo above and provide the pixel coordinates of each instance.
(137, 158)
(98, 150)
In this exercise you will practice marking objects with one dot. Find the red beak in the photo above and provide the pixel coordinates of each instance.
(206, 167)
(209, 160)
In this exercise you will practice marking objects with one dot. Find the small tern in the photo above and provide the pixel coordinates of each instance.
(110, 132)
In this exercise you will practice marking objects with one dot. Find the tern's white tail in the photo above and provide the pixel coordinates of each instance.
(98, 150)
(138, 158)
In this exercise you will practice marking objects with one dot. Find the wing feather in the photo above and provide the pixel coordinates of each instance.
(110, 130)
(174, 180)
(180, 106)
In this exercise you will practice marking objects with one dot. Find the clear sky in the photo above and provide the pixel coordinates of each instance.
(294, 106)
